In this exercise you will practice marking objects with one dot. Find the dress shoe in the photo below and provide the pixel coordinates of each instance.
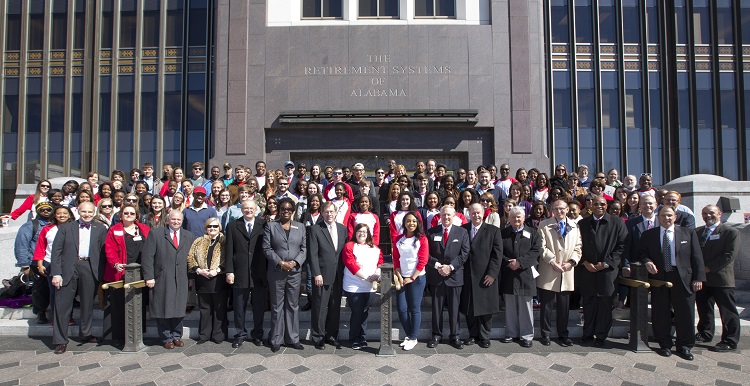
(42, 318)
(306, 307)
(685, 354)
(724, 347)
(703, 337)
(526, 343)
(320, 345)
(296, 346)
(275, 348)
(178, 343)
(544, 341)
(89, 339)
(189, 309)
(456, 343)
(256, 341)
(565, 342)
(665, 352)
(433, 343)
(334, 342)
(484, 343)
(470, 342)
(169, 345)
(237, 343)
(599, 342)
(358, 345)
(586, 340)
(507, 339)
(71, 322)
(61, 348)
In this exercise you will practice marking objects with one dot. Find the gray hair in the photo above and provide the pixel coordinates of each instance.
(516, 211)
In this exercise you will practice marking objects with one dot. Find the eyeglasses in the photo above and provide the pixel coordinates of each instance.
(45, 186)
(485, 200)
(197, 168)
(338, 172)
(45, 210)
(645, 174)
(286, 209)
(213, 226)
(107, 206)
(379, 172)
(560, 170)
(128, 213)
(131, 199)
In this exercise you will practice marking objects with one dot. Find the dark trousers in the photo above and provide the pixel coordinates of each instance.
(113, 324)
(450, 296)
(326, 311)
(663, 300)
(213, 316)
(83, 283)
(359, 303)
(41, 293)
(730, 319)
(547, 299)
(597, 316)
(170, 329)
(409, 302)
(257, 297)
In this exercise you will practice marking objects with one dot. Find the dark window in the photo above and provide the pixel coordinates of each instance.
(151, 24)
(745, 15)
(149, 121)
(36, 25)
(315, 9)
(610, 120)
(746, 90)
(172, 117)
(32, 147)
(195, 124)
(174, 23)
(680, 21)
(559, 21)
(657, 147)
(704, 112)
(729, 142)
(105, 127)
(13, 29)
(125, 123)
(79, 34)
(607, 23)
(128, 24)
(59, 35)
(76, 127)
(563, 121)
(378, 8)
(9, 135)
(701, 22)
(56, 135)
(631, 17)
(584, 29)
(587, 142)
(198, 23)
(724, 21)
(683, 113)
(652, 23)
(634, 122)
(106, 32)
(435, 8)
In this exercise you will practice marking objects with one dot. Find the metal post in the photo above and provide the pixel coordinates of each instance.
(133, 310)
(638, 310)
(386, 322)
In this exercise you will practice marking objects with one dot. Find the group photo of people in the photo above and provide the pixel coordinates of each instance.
(479, 242)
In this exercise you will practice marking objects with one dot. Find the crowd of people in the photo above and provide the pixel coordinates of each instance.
(474, 240)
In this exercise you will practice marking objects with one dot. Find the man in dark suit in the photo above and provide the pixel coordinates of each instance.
(480, 297)
(164, 266)
(77, 264)
(246, 271)
(449, 250)
(636, 226)
(602, 240)
(719, 244)
(327, 240)
(672, 253)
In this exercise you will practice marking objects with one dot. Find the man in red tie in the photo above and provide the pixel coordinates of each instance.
(449, 250)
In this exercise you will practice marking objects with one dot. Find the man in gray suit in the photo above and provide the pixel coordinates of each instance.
(327, 240)
(164, 267)
(77, 265)
(719, 244)
(285, 247)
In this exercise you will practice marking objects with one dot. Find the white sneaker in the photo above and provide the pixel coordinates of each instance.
(410, 345)
(404, 342)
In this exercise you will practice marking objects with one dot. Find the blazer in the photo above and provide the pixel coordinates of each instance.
(688, 255)
(560, 250)
(167, 266)
(525, 247)
(324, 259)
(244, 254)
(198, 258)
(455, 252)
(719, 254)
(278, 247)
(485, 258)
(65, 254)
(606, 245)
(685, 220)
(114, 248)
(635, 226)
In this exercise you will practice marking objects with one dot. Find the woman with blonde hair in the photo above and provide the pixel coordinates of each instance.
(178, 201)
(490, 209)
(206, 260)
(105, 212)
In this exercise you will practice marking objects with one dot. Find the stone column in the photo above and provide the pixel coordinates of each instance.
(386, 307)
(133, 310)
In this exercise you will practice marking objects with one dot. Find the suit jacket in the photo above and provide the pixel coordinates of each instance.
(65, 252)
(485, 257)
(688, 255)
(455, 253)
(278, 247)
(635, 226)
(719, 254)
(244, 254)
(685, 220)
(606, 245)
(524, 246)
(559, 250)
(324, 259)
(167, 265)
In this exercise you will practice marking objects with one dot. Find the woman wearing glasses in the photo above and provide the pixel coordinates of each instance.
(122, 246)
(206, 261)
(42, 189)
(105, 212)
(560, 178)
(490, 209)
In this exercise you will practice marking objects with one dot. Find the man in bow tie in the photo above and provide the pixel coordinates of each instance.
(76, 267)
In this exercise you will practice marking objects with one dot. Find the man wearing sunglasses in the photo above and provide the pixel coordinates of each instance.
(198, 179)
(24, 250)
(337, 176)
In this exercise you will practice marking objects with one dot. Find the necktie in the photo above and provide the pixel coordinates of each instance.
(704, 237)
(174, 240)
(649, 224)
(445, 236)
(334, 236)
(85, 225)
(562, 229)
(474, 232)
(666, 252)
(249, 228)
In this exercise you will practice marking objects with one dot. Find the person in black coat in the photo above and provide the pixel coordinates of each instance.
(521, 249)
(327, 241)
(603, 241)
(449, 250)
(480, 297)
(672, 253)
(246, 268)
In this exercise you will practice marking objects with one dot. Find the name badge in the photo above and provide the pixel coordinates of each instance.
(713, 237)
(683, 242)
(438, 238)
(293, 227)
(307, 224)
(526, 234)
(137, 238)
(119, 233)
(454, 241)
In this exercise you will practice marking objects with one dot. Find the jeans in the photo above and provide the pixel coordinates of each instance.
(359, 303)
(409, 302)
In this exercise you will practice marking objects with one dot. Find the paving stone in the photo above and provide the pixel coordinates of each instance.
(48, 366)
(686, 366)
(581, 384)
(675, 383)
(599, 366)
(560, 368)
(430, 369)
(11, 364)
(473, 369)
(169, 368)
(645, 366)
(719, 382)
(517, 369)
(143, 374)
(299, 369)
(130, 367)
(324, 361)
(10, 383)
(256, 369)
(728, 365)
(386, 370)
(626, 383)
(342, 369)
(226, 377)
(92, 376)
(55, 383)
(211, 369)
(180, 378)
(88, 367)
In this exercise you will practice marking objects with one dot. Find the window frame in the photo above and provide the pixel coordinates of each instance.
(455, 11)
(379, 16)
(322, 17)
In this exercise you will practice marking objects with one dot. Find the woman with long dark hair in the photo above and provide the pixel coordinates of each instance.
(464, 201)
(272, 207)
(410, 256)
(364, 215)
(42, 189)
(43, 255)
(362, 260)
(406, 204)
(157, 213)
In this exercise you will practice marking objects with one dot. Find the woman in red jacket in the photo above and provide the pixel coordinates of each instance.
(122, 246)
(364, 215)
(42, 188)
(410, 256)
